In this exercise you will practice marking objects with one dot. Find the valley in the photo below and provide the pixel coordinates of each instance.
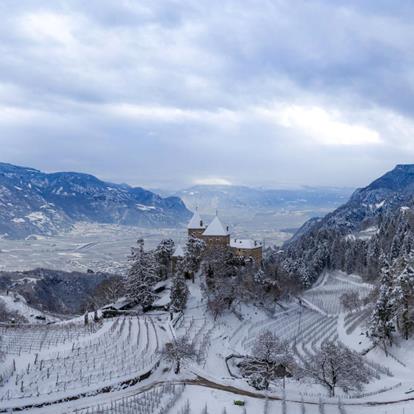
(99, 247)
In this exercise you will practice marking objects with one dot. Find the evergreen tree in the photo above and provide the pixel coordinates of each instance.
(142, 276)
(381, 325)
(404, 295)
(179, 294)
(194, 254)
(163, 254)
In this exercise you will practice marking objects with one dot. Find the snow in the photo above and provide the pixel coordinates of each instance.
(367, 233)
(18, 220)
(117, 342)
(196, 221)
(37, 216)
(215, 228)
(17, 303)
(179, 252)
(143, 207)
(245, 243)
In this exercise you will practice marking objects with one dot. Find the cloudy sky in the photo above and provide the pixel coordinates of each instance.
(167, 93)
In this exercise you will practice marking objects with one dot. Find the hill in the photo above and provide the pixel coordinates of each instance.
(374, 226)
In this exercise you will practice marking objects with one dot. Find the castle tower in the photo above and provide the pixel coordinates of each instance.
(216, 235)
(196, 226)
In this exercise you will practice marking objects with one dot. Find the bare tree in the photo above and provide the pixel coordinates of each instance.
(216, 304)
(335, 365)
(180, 349)
(271, 358)
(109, 290)
(351, 300)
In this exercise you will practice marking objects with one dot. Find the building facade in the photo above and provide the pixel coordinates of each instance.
(217, 236)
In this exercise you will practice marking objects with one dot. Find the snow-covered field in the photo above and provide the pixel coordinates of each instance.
(114, 366)
(88, 246)
(100, 247)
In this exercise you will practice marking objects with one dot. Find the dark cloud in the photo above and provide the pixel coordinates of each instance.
(166, 93)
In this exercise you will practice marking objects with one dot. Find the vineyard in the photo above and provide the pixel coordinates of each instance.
(123, 349)
(111, 358)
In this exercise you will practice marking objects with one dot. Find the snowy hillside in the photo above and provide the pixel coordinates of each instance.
(114, 365)
(377, 222)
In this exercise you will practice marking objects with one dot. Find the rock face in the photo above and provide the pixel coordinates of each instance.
(33, 202)
(374, 225)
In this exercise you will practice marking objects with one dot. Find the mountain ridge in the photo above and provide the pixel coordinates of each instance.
(34, 202)
(374, 226)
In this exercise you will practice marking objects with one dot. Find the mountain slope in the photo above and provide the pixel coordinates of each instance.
(374, 225)
(33, 202)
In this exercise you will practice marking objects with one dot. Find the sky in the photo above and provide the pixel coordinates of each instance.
(171, 93)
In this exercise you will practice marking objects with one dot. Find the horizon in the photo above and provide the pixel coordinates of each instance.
(276, 187)
(169, 95)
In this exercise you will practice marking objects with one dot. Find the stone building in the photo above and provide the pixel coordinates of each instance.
(247, 248)
(217, 236)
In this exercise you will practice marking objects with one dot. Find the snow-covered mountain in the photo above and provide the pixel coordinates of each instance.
(33, 202)
(376, 222)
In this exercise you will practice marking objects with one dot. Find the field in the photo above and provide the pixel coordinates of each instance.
(100, 247)
(114, 365)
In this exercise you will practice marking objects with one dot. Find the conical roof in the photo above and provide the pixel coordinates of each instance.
(179, 252)
(196, 222)
(215, 228)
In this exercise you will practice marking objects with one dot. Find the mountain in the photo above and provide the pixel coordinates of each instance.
(34, 202)
(374, 226)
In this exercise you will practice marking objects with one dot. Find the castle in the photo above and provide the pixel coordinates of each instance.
(217, 236)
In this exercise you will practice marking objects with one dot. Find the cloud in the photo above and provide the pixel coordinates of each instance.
(168, 94)
(212, 181)
(325, 127)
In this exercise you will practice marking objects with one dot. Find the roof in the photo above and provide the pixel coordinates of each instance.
(179, 252)
(245, 243)
(215, 228)
(196, 221)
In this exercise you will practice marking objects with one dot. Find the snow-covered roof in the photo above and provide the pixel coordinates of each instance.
(196, 222)
(179, 252)
(245, 243)
(215, 228)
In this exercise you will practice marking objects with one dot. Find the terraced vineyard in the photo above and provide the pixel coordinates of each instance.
(115, 365)
(123, 349)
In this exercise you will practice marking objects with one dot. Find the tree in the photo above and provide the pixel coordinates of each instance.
(194, 254)
(142, 276)
(109, 290)
(404, 299)
(216, 304)
(350, 300)
(381, 324)
(335, 365)
(179, 294)
(271, 358)
(163, 254)
(180, 349)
